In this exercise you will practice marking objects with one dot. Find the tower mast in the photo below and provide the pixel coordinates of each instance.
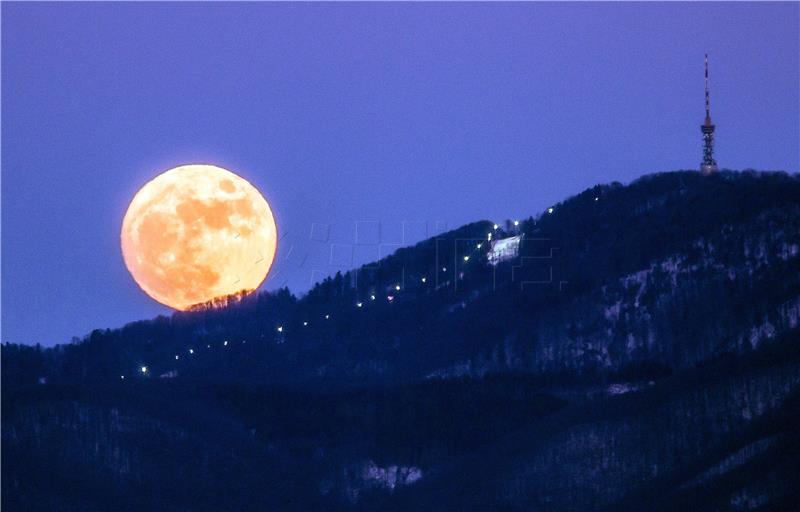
(709, 165)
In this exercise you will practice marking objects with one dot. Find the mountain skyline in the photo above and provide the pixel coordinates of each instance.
(653, 226)
(639, 354)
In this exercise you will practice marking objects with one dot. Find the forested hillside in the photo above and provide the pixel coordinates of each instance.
(640, 353)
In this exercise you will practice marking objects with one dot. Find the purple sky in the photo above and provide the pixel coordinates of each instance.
(414, 116)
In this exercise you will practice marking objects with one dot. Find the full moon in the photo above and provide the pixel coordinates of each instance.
(198, 232)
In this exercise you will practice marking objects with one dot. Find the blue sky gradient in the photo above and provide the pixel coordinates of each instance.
(418, 117)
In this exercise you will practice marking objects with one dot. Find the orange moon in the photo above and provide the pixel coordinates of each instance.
(198, 232)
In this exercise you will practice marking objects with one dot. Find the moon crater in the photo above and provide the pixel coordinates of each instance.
(198, 232)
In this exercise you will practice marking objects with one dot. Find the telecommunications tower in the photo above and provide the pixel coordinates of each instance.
(709, 165)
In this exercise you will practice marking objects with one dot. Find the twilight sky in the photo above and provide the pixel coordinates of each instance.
(411, 117)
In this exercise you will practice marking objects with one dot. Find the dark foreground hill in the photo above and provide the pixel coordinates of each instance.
(639, 353)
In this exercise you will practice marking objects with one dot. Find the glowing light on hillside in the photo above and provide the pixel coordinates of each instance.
(177, 357)
(280, 328)
(305, 324)
(327, 317)
(371, 297)
(466, 258)
(359, 304)
(144, 369)
(424, 279)
(495, 226)
(191, 351)
(225, 343)
(550, 210)
(516, 223)
(397, 287)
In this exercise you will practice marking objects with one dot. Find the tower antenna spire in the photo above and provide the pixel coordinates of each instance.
(708, 101)
(709, 165)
